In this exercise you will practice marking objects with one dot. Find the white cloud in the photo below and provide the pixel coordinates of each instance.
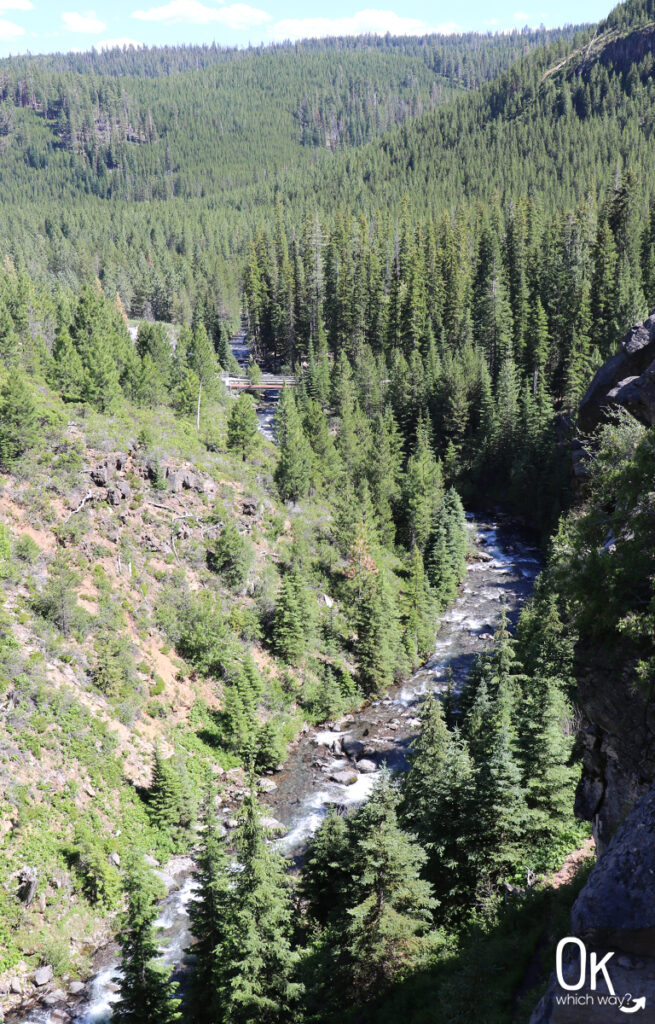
(492, 21)
(521, 16)
(236, 16)
(16, 5)
(111, 44)
(371, 20)
(87, 22)
(8, 30)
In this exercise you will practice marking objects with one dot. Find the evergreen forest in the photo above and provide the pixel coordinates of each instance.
(438, 242)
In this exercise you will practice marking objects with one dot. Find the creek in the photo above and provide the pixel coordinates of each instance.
(318, 771)
(501, 572)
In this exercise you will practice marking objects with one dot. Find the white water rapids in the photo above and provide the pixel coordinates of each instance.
(384, 727)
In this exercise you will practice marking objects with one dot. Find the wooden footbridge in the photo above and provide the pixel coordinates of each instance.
(268, 382)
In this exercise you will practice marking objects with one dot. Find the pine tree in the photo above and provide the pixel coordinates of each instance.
(537, 342)
(58, 600)
(317, 430)
(153, 341)
(202, 360)
(293, 473)
(391, 906)
(293, 616)
(385, 474)
(171, 804)
(9, 340)
(231, 555)
(150, 390)
(422, 491)
(68, 370)
(146, 992)
(18, 420)
(578, 360)
(100, 338)
(604, 288)
(440, 571)
(376, 634)
(544, 716)
(243, 427)
(101, 380)
(421, 611)
(439, 805)
(259, 960)
(501, 807)
(212, 919)
(326, 875)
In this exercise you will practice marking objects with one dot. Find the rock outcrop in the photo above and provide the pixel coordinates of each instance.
(615, 914)
(627, 380)
(618, 744)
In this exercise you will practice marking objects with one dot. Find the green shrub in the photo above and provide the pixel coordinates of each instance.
(231, 556)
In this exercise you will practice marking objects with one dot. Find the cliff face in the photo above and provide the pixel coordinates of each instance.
(626, 380)
(618, 740)
(615, 912)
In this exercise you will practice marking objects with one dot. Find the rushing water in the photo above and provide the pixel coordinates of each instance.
(266, 400)
(502, 574)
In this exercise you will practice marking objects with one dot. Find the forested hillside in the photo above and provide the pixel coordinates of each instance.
(441, 239)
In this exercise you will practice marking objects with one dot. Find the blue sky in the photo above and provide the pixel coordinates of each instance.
(44, 26)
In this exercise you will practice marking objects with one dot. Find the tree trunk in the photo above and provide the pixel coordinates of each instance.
(198, 412)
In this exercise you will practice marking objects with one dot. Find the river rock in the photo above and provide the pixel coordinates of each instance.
(15, 987)
(267, 785)
(366, 766)
(76, 988)
(152, 862)
(273, 825)
(43, 976)
(53, 998)
(353, 748)
(344, 778)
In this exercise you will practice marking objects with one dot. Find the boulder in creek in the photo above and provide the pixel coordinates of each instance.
(273, 825)
(60, 1016)
(366, 766)
(266, 785)
(344, 778)
(43, 976)
(15, 987)
(353, 748)
(76, 988)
